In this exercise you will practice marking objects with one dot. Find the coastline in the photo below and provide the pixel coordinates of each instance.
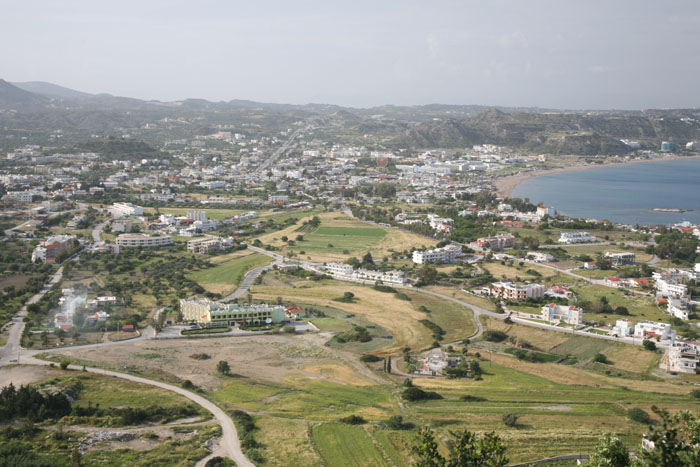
(504, 186)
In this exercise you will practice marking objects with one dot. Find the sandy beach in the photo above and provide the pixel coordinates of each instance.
(505, 185)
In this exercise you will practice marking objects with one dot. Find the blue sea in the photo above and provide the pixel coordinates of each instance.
(626, 193)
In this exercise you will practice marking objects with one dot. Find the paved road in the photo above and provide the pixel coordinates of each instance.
(279, 152)
(253, 274)
(12, 346)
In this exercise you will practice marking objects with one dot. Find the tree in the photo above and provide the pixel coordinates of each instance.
(672, 442)
(610, 452)
(649, 345)
(510, 419)
(367, 260)
(600, 358)
(427, 450)
(223, 367)
(348, 296)
(468, 450)
(638, 415)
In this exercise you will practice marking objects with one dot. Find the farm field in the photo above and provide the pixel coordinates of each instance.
(640, 307)
(627, 358)
(344, 445)
(397, 316)
(348, 237)
(225, 276)
(555, 417)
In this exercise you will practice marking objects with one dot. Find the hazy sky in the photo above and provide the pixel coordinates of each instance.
(559, 53)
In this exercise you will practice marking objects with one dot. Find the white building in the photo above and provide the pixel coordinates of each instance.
(510, 291)
(125, 209)
(576, 237)
(678, 308)
(540, 257)
(623, 327)
(208, 244)
(393, 276)
(667, 288)
(142, 240)
(683, 357)
(341, 269)
(562, 313)
(545, 211)
(621, 259)
(653, 330)
(446, 254)
(197, 215)
(19, 196)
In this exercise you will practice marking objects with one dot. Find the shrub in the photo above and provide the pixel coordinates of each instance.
(495, 336)
(649, 345)
(223, 367)
(600, 358)
(367, 358)
(696, 393)
(396, 423)
(510, 419)
(414, 394)
(200, 356)
(64, 364)
(638, 415)
(353, 420)
(289, 329)
(470, 398)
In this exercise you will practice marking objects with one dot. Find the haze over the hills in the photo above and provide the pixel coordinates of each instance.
(545, 53)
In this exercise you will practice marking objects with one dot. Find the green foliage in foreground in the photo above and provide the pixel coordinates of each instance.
(468, 450)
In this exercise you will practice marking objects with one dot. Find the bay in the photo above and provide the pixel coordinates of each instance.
(624, 193)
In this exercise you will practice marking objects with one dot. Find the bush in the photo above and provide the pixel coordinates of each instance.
(510, 419)
(396, 423)
(495, 336)
(353, 420)
(414, 394)
(470, 398)
(369, 358)
(64, 364)
(200, 356)
(223, 367)
(638, 415)
(600, 358)
(289, 329)
(696, 393)
(649, 345)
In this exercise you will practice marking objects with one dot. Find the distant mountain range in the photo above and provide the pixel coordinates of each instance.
(42, 106)
(51, 90)
(13, 97)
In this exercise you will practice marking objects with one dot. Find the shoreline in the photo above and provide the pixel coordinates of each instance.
(504, 186)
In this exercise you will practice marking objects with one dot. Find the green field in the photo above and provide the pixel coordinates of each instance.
(227, 275)
(338, 239)
(344, 445)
